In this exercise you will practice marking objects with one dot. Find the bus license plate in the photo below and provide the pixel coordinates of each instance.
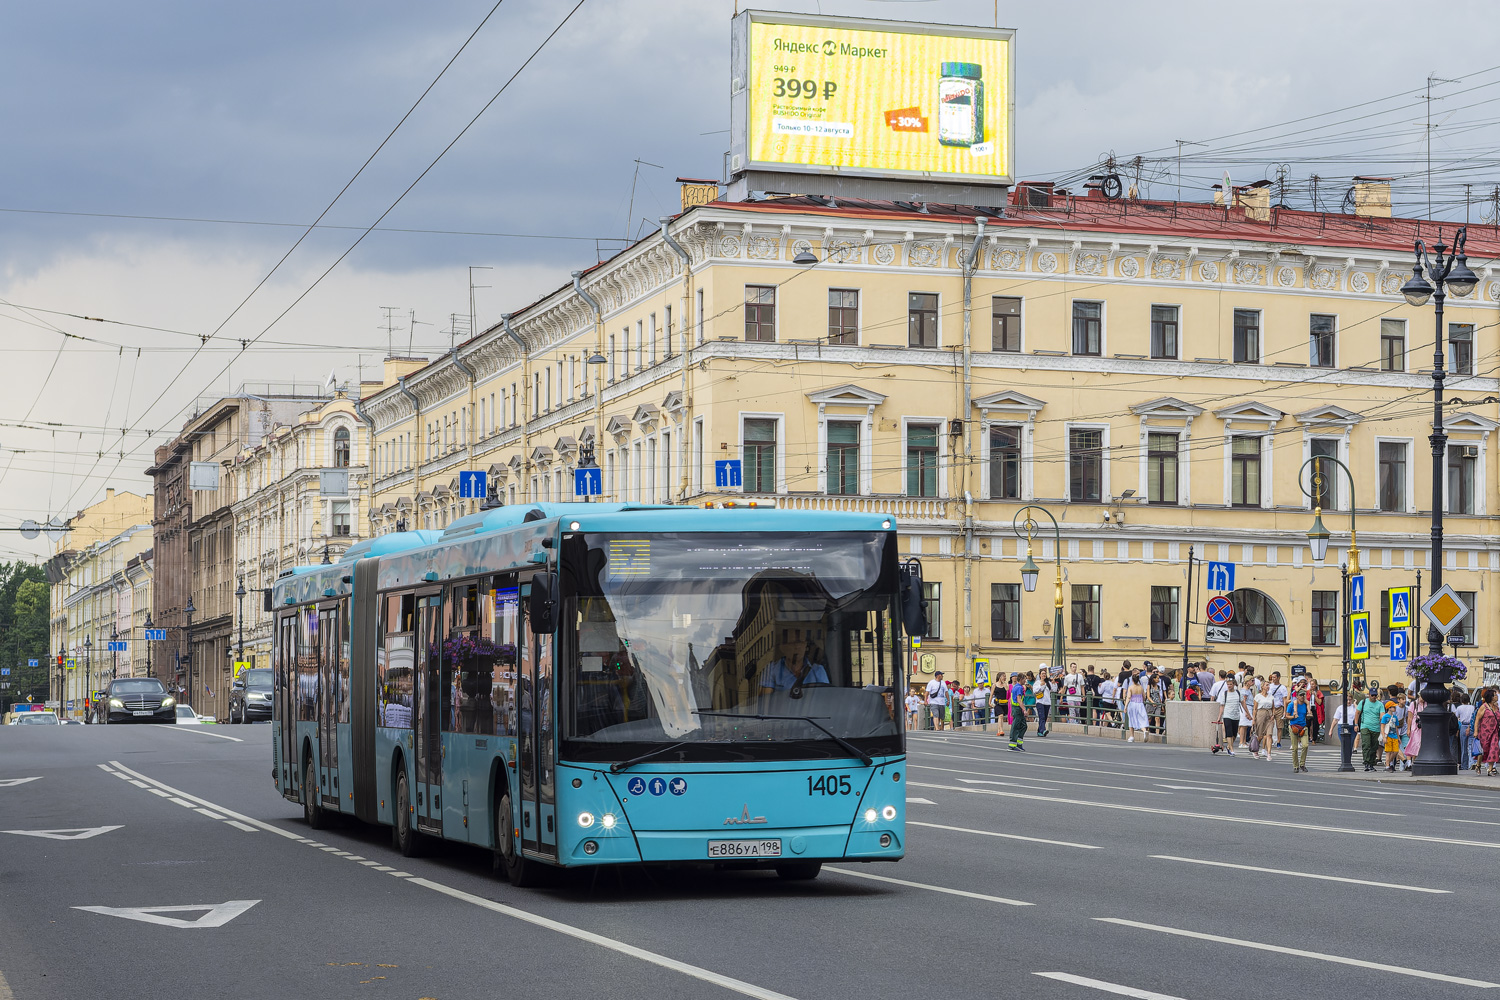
(744, 848)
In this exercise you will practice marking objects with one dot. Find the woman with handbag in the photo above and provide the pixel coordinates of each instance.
(1297, 718)
(1487, 728)
(1073, 690)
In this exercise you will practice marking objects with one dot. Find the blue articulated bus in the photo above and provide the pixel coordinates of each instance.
(585, 684)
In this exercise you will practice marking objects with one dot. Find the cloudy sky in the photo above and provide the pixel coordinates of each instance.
(160, 158)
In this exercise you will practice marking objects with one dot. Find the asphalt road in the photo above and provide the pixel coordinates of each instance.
(1080, 869)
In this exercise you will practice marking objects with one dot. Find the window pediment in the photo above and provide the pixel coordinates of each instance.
(1328, 416)
(1250, 413)
(1008, 401)
(647, 415)
(846, 395)
(1168, 407)
(619, 426)
(1472, 423)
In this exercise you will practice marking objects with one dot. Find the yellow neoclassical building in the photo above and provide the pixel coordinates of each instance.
(1154, 374)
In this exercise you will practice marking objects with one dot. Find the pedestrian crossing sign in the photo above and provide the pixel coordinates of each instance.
(1359, 635)
(1400, 602)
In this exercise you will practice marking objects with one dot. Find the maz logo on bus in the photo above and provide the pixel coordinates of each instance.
(829, 784)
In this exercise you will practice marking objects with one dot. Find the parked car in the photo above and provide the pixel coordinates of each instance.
(139, 699)
(187, 717)
(36, 719)
(250, 696)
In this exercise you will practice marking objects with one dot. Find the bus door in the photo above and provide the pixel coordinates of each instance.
(427, 714)
(537, 753)
(328, 681)
(286, 699)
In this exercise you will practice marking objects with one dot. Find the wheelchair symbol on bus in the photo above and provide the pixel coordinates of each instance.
(637, 786)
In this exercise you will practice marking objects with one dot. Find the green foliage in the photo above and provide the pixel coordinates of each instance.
(25, 609)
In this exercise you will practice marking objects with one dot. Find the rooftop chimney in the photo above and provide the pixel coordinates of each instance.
(397, 367)
(1372, 197)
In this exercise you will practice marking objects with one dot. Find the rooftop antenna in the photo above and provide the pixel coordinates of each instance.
(473, 313)
(1430, 81)
(411, 331)
(1315, 180)
(1180, 144)
(630, 209)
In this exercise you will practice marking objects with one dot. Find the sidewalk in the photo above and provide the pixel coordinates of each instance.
(1464, 779)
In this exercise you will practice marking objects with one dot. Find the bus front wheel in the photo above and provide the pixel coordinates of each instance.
(403, 837)
(802, 871)
(509, 864)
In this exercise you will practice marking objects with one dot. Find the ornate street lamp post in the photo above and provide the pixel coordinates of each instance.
(1317, 539)
(1030, 572)
(1450, 268)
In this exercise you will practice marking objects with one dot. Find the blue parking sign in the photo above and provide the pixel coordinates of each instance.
(1398, 645)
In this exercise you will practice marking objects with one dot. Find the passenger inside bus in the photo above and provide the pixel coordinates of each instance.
(793, 669)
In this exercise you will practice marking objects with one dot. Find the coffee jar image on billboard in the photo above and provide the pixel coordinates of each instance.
(961, 104)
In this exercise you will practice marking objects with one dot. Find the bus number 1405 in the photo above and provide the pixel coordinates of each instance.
(828, 784)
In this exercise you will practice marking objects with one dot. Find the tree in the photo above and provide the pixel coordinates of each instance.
(25, 614)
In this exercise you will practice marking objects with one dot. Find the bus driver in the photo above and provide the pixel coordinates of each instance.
(793, 669)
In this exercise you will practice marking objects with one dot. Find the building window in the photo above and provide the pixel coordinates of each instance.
(1085, 612)
(1161, 468)
(1006, 331)
(1326, 487)
(1392, 487)
(1164, 614)
(932, 603)
(1393, 345)
(1461, 348)
(341, 521)
(759, 472)
(1085, 464)
(1320, 340)
(843, 317)
(1256, 618)
(1244, 472)
(341, 448)
(1463, 463)
(1325, 617)
(1247, 336)
(1005, 463)
(1164, 332)
(843, 457)
(1005, 612)
(921, 460)
(1088, 328)
(1465, 630)
(760, 313)
(921, 319)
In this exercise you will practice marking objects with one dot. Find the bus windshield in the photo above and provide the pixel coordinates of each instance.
(730, 647)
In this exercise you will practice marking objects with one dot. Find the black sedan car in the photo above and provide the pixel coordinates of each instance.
(139, 699)
(250, 696)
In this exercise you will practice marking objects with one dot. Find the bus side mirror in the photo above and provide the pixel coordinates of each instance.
(913, 614)
(542, 608)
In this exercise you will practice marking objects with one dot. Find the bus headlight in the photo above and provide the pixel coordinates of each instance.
(888, 813)
(870, 815)
(585, 819)
(607, 821)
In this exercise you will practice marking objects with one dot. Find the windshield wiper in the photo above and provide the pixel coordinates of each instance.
(616, 768)
(856, 751)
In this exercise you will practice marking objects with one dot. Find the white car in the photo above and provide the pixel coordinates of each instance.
(187, 717)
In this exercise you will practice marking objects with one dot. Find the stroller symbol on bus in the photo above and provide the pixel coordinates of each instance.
(637, 786)
(678, 786)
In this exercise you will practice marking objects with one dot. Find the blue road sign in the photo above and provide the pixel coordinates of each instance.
(588, 482)
(4, 671)
(727, 472)
(116, 646)
(1357, 592)
(1400, 608)
(1221, 576)
(472, 483)
(1220, 610)
(31, 663)
(1398, 645)
(156, 635)
(1359, 635)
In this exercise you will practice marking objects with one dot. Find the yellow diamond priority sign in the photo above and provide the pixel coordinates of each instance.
(1445, 609)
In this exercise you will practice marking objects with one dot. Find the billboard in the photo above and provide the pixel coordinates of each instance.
(872, 98)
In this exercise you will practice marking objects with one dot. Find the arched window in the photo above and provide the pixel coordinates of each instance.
(1256, 618)
(341, 448)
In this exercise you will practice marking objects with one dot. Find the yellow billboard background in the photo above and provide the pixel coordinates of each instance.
(874, 100)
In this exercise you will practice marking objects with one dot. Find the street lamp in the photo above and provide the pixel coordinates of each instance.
(1317, 540)
(187, 633)
(148, 626)
(1030, 572)
(1450, 268)
(62, 682)
(239, 594)
(88, 673)
(114, 653)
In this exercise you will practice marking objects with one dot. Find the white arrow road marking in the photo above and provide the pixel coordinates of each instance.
(216, 915)
(76, 833)
(1099, 984)
(13, 782)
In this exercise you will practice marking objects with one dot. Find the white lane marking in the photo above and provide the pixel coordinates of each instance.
(1205, 788)
(354, 857)
(5, 993)
(1102, 986)
(158, 791)
(370, 864)
(218, 914)
(1247, 820)
(1049, 779)
(694, 971)
(929, 888)
(919, 802)
(1006, 836)
(13, 782)
(209, 813)
(72, 833)
(240, 826)
(1476, 822)
(183, 802)
(200, 731)
(140, 784)
(1298, 806)
(1281, 871)
(748, 989)
(106, 769)
(257, 824)
(1008, 784)
(1300, 953)
(384, 868)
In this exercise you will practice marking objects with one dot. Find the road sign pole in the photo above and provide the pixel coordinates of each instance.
(1346, 739)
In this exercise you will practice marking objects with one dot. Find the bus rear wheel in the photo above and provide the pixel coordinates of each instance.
(403, 837)
(312, 807)
(517, 870)
(801, 871)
